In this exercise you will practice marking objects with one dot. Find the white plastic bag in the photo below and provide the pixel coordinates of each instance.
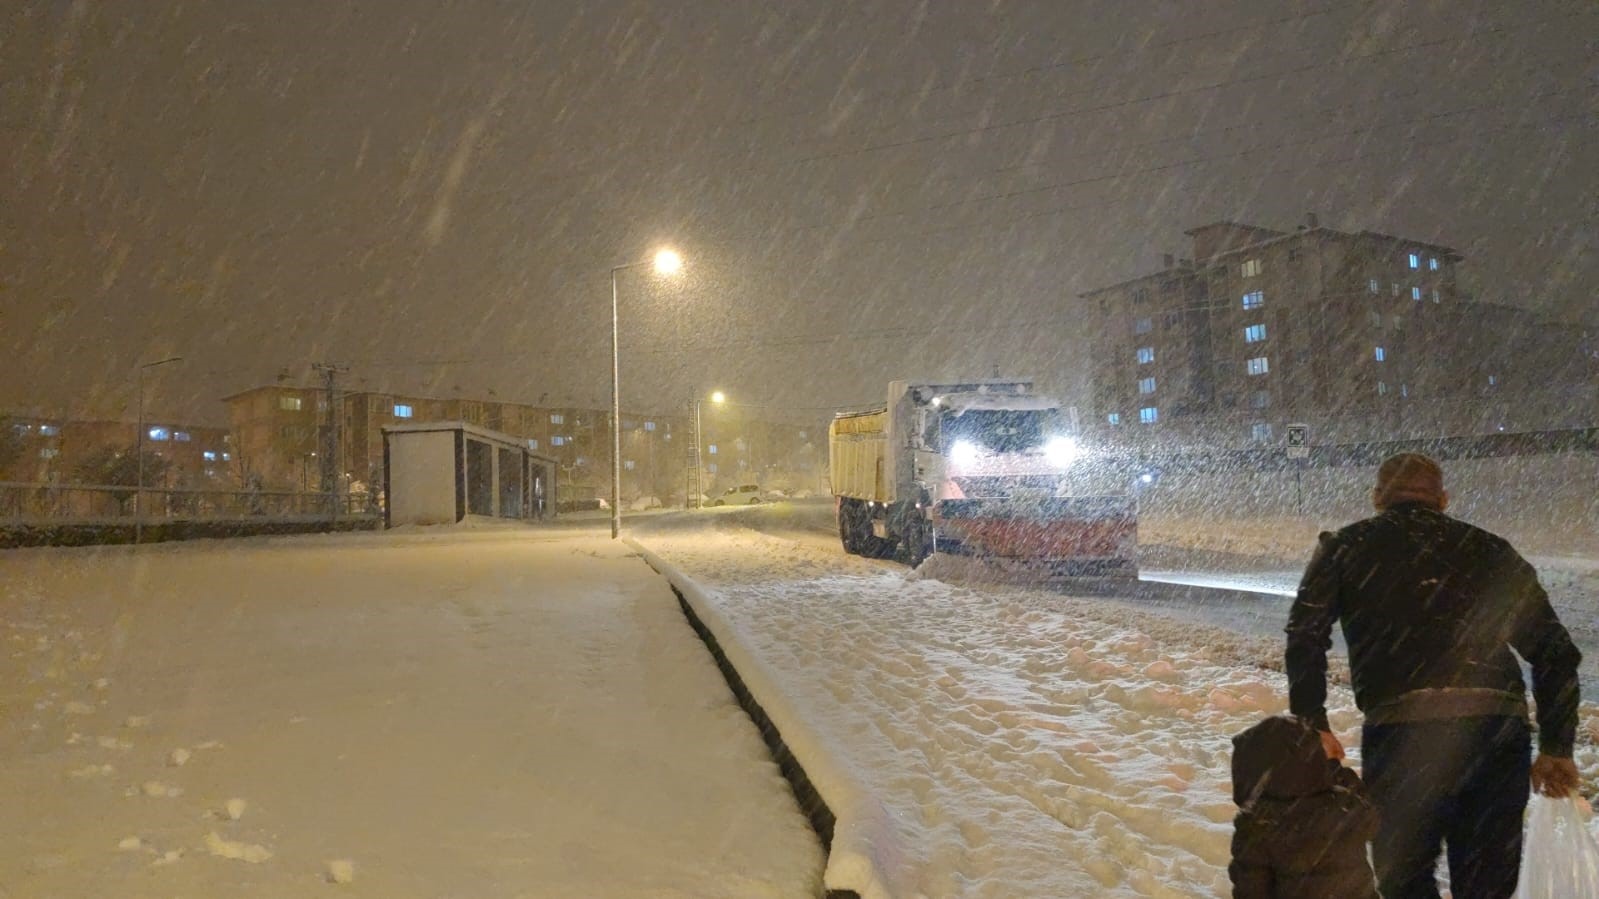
(1559, 859)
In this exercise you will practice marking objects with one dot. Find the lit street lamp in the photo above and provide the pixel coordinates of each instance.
(666, 262)
(717, 397)
(138, 491)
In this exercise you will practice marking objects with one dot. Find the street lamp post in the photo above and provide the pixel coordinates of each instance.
(138, 490)
(717, 397)
(666, 262)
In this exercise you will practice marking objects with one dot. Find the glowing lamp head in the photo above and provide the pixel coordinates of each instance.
(1061, 452)
(667, 262)
(718, 397)
(963, 453)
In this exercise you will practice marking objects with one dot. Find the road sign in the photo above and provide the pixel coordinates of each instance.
(1298, 441)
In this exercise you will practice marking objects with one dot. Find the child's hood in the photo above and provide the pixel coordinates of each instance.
(1281, 758)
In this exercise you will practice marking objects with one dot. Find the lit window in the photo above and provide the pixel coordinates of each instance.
(649, 426)
(711, 468)
(1432, 263)
(291, 403)
(1149, 414)
(227, 457)
(181, 436)
(1415, 261)
(1254, 333)
(1146, 355)
(627, 464)
(1250, 268)
(1260, 431)
(1143, 326)
(160, 434)
(1114, 418)
(49, 452)
(210, 455)
(1493, 380)
(711, 449)
(401, 410)
(1404, 390)
(1435, 294)
(557, 418)
(1257, 365)
(1146, 385)
(49, 430)
(1261, 399)
(1373, 286)
(1380, 354)
(1254, 299)
(557, 441)
(1382, 388)
(1415, 293)
(581, 460)
(532, 443)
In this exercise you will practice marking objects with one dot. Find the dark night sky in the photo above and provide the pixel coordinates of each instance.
(433, 192)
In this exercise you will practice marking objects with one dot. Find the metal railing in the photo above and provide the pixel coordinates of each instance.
(107, 504)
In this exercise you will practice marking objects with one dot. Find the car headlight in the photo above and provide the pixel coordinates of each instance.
(963, 453)
(1061, 452)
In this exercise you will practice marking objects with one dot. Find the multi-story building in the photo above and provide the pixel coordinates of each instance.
(281, 434)
(1359, 334)
(50, 450)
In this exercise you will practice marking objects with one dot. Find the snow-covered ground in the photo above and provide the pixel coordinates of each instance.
(501, 713)
(1021, 742)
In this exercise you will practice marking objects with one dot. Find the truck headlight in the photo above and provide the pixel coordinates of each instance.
(1061, 452)
(963, 453)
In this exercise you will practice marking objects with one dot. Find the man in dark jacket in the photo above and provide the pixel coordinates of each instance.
(1303, 818)
(1430, 609)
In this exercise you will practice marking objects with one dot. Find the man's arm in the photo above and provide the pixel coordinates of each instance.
(1543, 641)
(1310, 624)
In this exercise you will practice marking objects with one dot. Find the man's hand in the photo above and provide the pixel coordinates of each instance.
(1552, 776)
(1335, 749)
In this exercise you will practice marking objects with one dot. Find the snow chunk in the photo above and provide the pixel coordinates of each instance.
(79, 708)
(135, 721)
(341, 870)
(234, 809)
(130, 844)
(179, 757)
(253, 853)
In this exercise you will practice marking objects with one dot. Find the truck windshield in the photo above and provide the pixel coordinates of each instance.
(996, 430)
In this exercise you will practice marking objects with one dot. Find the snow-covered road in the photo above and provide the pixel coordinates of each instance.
(1022, 741)
(453, 714)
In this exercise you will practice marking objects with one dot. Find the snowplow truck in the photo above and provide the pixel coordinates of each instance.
(985, 468)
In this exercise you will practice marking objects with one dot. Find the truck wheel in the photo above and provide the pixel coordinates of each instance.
(848, 527)
(915, 545)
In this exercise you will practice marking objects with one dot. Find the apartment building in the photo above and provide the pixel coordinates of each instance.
(1361, 335)
(281, 434)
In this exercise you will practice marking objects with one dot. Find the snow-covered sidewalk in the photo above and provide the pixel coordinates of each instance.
(464, 714)
(1020, 742)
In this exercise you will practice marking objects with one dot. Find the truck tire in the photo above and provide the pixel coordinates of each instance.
(915, 544)
(848, 527)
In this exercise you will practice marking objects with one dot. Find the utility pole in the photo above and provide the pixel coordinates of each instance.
(332, 462)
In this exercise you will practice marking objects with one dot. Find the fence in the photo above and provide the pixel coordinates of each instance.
(30, 503)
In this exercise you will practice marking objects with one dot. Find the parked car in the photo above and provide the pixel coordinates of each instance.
(742, 495)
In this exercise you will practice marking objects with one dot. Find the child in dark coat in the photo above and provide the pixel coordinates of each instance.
(1303, 819)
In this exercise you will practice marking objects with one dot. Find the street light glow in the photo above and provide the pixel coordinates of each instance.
(718, 397)
(668, 262)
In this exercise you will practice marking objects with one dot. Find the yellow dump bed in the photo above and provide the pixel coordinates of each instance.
(856, 445)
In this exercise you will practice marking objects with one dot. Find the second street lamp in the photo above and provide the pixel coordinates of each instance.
(666, 262)
(138, 489)
(717, 397)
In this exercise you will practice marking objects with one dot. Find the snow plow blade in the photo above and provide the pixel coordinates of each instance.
(1073, 535)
